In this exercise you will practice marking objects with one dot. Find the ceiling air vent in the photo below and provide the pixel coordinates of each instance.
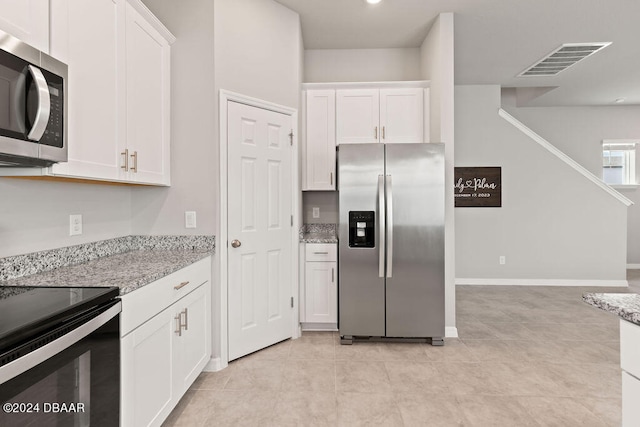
(562, 58)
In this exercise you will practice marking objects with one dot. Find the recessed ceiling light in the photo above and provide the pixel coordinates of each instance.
(373, 1)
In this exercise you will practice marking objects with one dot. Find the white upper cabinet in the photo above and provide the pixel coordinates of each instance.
(118, 90)
(147, 100)
(320, 159)
(27, 20)
(357, 115)
(401, 115)
(89, 37)
(380, 115)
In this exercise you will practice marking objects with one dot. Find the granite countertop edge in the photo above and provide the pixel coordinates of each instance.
(626, 306)
(127, 263)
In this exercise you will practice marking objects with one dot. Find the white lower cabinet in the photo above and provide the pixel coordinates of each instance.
(162, 355)
(320, 287)
(630, 399)
(630, 363)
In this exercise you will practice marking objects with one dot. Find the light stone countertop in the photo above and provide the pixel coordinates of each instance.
(318, 233)
(627, 306)
(129, 270)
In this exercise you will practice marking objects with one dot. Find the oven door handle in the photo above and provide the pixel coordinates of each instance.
(30, 360)
(44, 105)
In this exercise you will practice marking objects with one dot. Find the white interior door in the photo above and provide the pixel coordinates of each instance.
(259, 228)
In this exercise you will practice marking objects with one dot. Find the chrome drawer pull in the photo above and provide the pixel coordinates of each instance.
(321, 253)
(181, 285)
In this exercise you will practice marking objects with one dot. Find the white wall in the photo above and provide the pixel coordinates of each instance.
(578, 132)
(193, 139)
(34, 214)
(436, 65)
(553, 225)
(361, 65)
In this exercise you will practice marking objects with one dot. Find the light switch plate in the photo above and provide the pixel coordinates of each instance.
(75, 225)
(190, 219)
(316, 212)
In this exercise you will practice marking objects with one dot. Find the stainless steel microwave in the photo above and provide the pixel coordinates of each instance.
(33, 105)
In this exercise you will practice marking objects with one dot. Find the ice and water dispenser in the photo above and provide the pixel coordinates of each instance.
(361, 226)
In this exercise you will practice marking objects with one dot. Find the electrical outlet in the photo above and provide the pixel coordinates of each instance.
(316, 212)
(190, 219)
(503, 260)
(75, 225)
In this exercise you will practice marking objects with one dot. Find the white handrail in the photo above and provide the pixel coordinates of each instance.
(566, 159)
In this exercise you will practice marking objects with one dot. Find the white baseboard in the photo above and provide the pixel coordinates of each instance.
(633, 266)
(214, 365)
(542, 282)
(450, 332)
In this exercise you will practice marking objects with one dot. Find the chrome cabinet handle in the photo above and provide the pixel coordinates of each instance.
(330, 178)
(181, 285)
(389, 227)
(134, 168)
(376, 132)
(179, 324)
(125, 153)
(236, 243)
(332, 276)
(383, 132)
(178, 330)
(44, 105)
(321, 253)
(381, 218)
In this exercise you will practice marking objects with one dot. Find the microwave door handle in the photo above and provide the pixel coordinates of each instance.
(44, 105)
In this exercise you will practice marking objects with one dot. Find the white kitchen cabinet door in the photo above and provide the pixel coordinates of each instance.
(357, 116)
(89, 36)
(192, 347)
(320, 162)
(401, 115)
(27, 20)
(147, 100)
(321, 295)
(630, 399)
(147, 372)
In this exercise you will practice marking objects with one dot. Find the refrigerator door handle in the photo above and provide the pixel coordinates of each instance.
(381, 225)
(389, 197)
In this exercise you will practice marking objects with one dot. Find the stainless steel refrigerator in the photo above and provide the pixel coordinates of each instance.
(391, 241)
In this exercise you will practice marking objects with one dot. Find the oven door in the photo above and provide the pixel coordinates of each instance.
(74, 380)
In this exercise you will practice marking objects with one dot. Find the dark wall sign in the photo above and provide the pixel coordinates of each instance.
(478, 187)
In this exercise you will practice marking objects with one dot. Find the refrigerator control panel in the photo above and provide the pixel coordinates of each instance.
(361, 226)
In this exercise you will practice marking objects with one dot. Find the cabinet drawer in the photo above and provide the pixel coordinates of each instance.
(321, 252)
(144, 303)
(630, 347)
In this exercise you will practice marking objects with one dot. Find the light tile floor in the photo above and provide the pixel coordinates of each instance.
(526, 356)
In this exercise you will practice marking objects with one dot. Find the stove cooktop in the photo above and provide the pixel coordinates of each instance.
(28, 311)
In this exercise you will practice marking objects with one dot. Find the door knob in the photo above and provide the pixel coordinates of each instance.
(236, 243)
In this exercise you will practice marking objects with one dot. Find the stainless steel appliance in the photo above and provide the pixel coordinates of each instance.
(59, 356)
(391, 241)
(33, 105)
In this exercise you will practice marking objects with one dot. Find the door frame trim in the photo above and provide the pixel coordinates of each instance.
(222, 246)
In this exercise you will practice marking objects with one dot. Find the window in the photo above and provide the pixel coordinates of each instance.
(619, 161)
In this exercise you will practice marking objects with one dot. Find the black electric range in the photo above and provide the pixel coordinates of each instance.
(27, 312)
(59, 356)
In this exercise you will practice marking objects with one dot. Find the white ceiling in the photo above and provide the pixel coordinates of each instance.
(497, 39)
